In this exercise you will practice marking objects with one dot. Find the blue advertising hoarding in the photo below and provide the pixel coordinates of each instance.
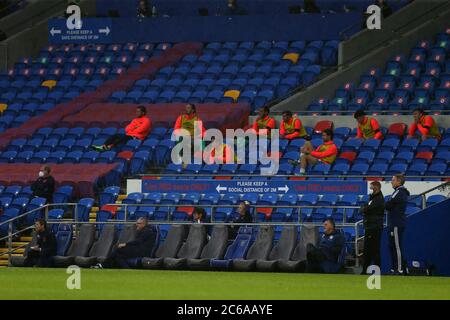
(91, 31)
(253, 186)
(283, 27)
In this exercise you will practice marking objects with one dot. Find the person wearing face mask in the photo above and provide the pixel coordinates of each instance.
(44, 186)
(373, 213)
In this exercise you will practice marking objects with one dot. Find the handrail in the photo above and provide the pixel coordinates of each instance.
(9, 6)
(277, 176)
(441, 186)
(339, 112)
(423, 194)
(75, 221)
(44, 207)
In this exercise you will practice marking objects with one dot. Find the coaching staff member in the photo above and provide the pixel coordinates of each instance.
(396, 208)
(373, 213)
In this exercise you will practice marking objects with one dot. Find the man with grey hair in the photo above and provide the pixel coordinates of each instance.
(396, 208)
(142, 244)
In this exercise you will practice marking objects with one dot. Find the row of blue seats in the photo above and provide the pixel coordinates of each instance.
(358, 169)
(269, 199)
(421, 79)
(159, 133)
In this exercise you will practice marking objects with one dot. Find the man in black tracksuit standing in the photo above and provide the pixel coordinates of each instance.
(396, 208)
(373, 212)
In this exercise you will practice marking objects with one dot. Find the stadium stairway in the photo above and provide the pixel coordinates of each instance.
(22, 241)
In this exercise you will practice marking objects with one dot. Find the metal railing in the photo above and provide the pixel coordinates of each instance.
(341, 176)
(128, 218)
(358, 238)
(16, 220)
(346, 112)
(443, 186)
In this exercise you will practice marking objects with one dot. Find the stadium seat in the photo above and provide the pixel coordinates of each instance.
(259, 250)
(237, 250)
(282, 250)
(100, 249)
(79, 247)
(214, 249)
(168, 249)
(191, 249)
(308, 234)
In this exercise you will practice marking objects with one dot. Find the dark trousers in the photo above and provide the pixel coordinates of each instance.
(117, 139)
(314, 257)
(395, 246)
(38, 259)
(119, 256)
(372, 239)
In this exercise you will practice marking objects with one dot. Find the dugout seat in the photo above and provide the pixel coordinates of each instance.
(214, 249)
(308, 234)
(281, 251)
(168, 249)
(191, 249)
(100, 249)
(79, 247)
(258, 251)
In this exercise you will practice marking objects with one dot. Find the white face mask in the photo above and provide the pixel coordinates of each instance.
(41, 174)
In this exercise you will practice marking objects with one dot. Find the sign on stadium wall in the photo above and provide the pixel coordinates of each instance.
(89, 30)
(150, 184)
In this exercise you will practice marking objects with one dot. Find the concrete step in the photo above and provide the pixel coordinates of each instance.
(4, 263)
(19, 251)
(92, 220)
(121, 197)
(19, 243)
(25, 239)
(92, 215)
(94, 209)
(5, 257)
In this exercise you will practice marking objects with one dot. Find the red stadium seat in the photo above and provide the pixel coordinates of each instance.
(322, 125)
(398, 129)
(349, 155)
(110, 208)
(188, 210)
(428, 156)
(127, 155)
(266, 211)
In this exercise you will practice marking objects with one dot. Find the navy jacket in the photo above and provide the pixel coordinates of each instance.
(396, 207)
(331, 245)
(47, 242)
(144, 241)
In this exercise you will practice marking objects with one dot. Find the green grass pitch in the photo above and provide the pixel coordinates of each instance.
(27, 283)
